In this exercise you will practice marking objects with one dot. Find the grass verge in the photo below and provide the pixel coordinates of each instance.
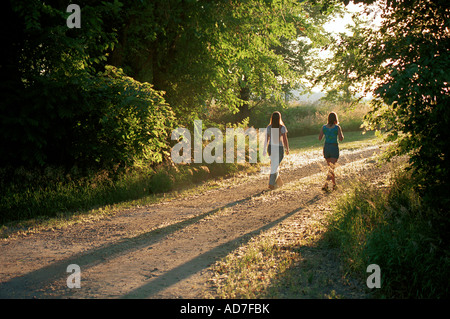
(391, 227)
(378, 220)
(58, 201)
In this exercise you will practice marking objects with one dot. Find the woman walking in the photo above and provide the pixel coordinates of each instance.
(276, 138)
(331, 131)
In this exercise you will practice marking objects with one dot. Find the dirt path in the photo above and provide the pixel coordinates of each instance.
(165, 250)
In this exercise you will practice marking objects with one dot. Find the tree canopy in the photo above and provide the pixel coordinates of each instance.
(109, 92)
(229, 51)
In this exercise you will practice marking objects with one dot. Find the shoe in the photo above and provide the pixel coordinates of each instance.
(272, 187)
(335, 187)
(325, 187)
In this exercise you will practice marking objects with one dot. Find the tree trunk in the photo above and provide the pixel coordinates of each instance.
(244, 95)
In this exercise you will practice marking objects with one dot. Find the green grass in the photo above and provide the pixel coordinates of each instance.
(392, 228)
(54, 199)
(302, 119)
(355, 139)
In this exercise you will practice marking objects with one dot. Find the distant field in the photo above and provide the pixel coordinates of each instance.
(351, 140)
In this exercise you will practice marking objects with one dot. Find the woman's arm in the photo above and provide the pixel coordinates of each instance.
(266, 141)
(285, 142)
(321, 134)
(340, 134)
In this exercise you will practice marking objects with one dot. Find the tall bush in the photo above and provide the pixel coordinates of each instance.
(62, 105)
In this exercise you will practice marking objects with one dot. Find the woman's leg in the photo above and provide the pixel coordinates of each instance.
(278, 180)
(331, 165)
(325, 185)
(331, 155)
(275, 159)
(273, 179)
(273, 166)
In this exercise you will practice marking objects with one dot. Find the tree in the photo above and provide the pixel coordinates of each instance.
(245, 51)
(166, 44)
(405, 65)
(263, 49)
(341, 73)
(230, 51)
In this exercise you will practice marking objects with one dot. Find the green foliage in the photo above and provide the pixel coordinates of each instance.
(416, 49)
(64, 106)
(132, 121)
(403, 64)
(231, 52)
(161, 182)
(340, 74)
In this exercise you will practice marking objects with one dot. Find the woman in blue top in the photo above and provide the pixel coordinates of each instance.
(331, 131)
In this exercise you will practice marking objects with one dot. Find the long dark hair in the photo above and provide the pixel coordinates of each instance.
(333, 119)
(275, 120)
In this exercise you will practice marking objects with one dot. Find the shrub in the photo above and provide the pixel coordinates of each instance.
(161, 182)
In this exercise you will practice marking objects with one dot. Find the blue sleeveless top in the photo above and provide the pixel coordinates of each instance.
(330, 134)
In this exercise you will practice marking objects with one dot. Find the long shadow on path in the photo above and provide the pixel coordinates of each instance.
(203, 261)
(31, 284)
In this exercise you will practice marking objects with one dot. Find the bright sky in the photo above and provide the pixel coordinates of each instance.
(338, 24)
